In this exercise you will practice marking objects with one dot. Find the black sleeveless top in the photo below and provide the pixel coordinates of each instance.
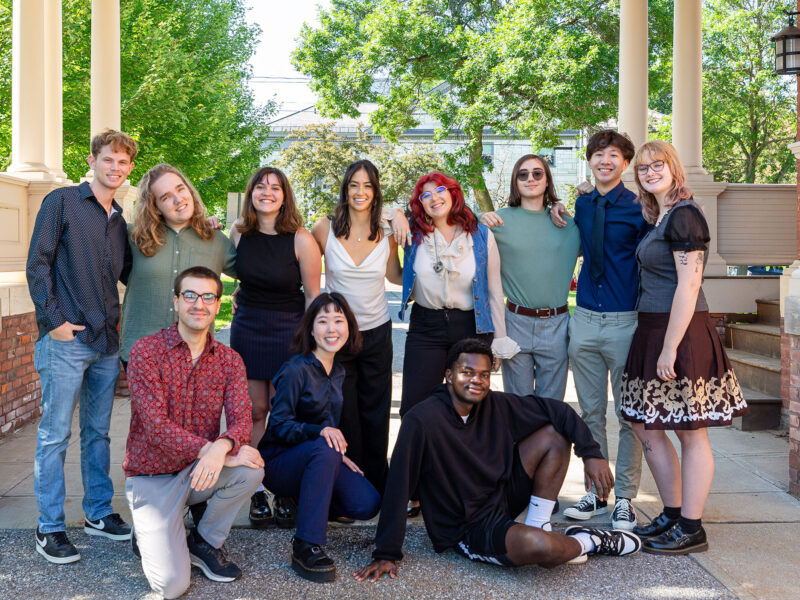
(269, 272)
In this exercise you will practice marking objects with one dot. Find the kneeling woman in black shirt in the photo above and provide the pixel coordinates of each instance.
(303, 449)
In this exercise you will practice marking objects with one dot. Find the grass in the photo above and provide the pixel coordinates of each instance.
(224, 317)
(570, 301)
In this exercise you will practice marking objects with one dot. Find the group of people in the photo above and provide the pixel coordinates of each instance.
(306, 382)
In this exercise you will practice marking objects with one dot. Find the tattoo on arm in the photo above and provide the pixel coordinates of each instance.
(682, 258)
(699, 262)
(646, 447)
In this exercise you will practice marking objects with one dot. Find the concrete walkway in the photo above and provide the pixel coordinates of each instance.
(752, 523)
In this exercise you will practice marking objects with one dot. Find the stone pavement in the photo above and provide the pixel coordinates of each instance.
(752, 522)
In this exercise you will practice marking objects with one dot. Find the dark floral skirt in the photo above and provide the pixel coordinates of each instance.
(705, 392)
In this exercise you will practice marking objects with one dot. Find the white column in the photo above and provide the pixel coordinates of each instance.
(53, 89)
(632, 118)
(27, 91)
(687, 85)
(105, 93)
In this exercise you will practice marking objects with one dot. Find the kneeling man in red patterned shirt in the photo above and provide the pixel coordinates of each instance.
(180, 379)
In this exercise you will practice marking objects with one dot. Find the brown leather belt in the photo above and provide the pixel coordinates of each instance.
(542, 313)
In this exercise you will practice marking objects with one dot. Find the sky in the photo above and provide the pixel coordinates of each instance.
(280, 22)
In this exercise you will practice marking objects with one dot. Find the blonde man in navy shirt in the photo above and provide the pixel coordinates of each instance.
(611, 225)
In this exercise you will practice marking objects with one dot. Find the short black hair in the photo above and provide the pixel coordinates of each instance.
(468, 346)
(610, 137)
(303, 341)
(200, 273)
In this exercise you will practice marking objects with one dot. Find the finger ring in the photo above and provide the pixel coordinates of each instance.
(408, 235)
(210, 474)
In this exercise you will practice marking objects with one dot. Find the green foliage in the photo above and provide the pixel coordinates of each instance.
(749, 113)
(185, 99)
(528, 68)
(318, 156)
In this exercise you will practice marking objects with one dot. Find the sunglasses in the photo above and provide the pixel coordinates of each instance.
(191, 297)
(428, 195)
(523, 174)
(657, 166)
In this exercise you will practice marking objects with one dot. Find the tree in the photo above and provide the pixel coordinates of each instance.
(185, 99)
(530, 68)
(749, 113)
(317, 158)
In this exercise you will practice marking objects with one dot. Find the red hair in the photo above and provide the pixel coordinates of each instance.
(460, 213)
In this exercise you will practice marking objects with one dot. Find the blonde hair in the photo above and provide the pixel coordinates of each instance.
(661, 150)
(150, 229)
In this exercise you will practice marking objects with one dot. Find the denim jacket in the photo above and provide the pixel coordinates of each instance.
(480, 280)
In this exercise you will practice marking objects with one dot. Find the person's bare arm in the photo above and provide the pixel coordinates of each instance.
(310, 259)
(234, 234)
(394, 270)
(320, 232)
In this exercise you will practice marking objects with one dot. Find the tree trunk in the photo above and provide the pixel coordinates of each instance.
(476, 180)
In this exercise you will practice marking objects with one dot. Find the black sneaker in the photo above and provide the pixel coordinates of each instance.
(261, 516)
(56, 547)
(211, 561)
(587, 507)
(197, 511)
(135, 545)
(112, 527)
(311, 562)
(616, 542)
(624, 515)
(285, 512)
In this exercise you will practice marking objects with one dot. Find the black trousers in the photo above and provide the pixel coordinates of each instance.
(431, 334)
(367, 391)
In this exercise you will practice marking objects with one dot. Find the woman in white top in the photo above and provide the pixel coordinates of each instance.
(359, 254)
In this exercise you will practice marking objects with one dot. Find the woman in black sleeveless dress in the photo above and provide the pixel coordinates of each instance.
(279, 266)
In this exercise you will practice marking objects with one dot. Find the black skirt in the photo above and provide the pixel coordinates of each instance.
(705, 391)
(262, 338)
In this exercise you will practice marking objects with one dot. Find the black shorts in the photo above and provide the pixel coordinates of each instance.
(486, 541)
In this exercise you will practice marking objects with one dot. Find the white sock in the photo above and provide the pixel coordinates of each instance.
(261, 488)
(585, 540)
(539, 511)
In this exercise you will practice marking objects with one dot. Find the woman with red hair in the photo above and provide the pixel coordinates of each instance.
(452, 271)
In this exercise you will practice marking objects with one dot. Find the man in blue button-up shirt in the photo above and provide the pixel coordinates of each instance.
(611, 224)
(78, 252)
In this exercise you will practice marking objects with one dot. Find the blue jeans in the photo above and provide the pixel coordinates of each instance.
(69, 370)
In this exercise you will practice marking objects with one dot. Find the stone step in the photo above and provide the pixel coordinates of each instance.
(765, 411)
(757, 338)
(760, 373)
(769, 311)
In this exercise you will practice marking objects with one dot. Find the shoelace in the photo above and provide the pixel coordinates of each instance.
(588, 500)
(59, 537)
(622, 510)
(610, 542)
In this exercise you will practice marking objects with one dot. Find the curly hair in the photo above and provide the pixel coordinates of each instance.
(341, 217)
(149, 228)
(550, 197)
(118, 140)
(460, 213)
(289, 219)
(660, 150)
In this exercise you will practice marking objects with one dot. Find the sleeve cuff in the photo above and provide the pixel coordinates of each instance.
(236, 444)
(505, 347)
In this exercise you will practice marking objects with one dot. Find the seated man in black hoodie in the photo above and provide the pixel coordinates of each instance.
(476, 458)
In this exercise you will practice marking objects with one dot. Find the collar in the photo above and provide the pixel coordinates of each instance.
(613, 195)
(443, 394)
(173, 339)
(85, 191)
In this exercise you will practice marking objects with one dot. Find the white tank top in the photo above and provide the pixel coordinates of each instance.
(361, 285)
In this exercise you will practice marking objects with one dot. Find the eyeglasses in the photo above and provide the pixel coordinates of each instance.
(523, 174)
(428, 195)
(190, 297)
(656, 165)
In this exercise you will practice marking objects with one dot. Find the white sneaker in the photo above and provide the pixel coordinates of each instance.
(587, 507)
(624, 515)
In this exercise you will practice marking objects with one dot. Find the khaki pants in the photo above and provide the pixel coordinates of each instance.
(598, 347)
(157, 505)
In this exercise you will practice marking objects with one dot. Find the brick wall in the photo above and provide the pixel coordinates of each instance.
(794, 416)
(20, 395)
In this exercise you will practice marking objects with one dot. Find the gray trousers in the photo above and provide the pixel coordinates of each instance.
(598, 347)
(541, 366)
(157, 506)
